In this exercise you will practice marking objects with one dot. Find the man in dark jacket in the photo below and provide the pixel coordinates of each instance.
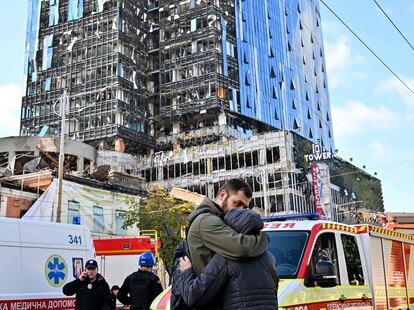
(233, 285)
(142, 286)
(92, 291)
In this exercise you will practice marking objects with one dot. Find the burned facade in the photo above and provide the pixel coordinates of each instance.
(274, 167)
(196, 74)
(232, 69)
(166, 74)
(96, 50)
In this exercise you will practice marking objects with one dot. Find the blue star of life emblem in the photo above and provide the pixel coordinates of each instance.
(56, 270)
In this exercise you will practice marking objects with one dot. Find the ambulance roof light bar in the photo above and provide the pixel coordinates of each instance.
(289, 217)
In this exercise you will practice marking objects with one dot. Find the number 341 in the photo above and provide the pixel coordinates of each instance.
(75, 239)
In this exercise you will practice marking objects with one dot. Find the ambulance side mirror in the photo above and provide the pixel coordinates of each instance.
(325, 274)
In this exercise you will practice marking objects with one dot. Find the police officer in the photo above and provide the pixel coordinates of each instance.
(142, 286)
(92, 291)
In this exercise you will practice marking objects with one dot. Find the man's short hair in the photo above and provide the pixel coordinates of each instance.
(236, 185)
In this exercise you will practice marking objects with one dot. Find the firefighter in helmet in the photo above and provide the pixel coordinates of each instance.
(141, 287)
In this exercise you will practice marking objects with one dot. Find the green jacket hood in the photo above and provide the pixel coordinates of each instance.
(206, 206)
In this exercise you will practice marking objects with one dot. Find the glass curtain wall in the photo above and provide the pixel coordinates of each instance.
(282, 72)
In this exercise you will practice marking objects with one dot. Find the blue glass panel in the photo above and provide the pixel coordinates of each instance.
(47, 52)
(53, 12)
(47, 83)
(120, 70)
(75, 9)
(32, 32)
(100, 5)
(224, 46)
(193, 25)
(277, 43)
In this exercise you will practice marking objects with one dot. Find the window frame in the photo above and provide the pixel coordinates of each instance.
(339, 258)
(70, 203)
(344, 264)
(118, 215)
(98, 227)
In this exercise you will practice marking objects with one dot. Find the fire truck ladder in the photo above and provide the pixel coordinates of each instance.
(153, 235)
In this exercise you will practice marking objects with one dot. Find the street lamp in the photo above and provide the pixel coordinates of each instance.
(63, 107)
(61, 154)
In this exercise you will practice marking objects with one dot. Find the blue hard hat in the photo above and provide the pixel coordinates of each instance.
(146, 259)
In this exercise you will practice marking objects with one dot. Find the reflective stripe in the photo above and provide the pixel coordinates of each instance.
(339, 227)
(162, 302)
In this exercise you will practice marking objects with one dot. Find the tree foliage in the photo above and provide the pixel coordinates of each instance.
(158, 211)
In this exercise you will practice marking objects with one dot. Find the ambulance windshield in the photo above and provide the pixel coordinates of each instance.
(287, 247)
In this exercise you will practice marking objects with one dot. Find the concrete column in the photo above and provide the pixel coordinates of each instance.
(210, 190)
(286, 191)
(222, 119)
(92, 167)
(160, 173)
(12, 154)
(176, 127)
(152, 129)
(79, 164)
(3, 205)
(176, 130)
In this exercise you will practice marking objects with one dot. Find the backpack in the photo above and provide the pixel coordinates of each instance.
(177, 302)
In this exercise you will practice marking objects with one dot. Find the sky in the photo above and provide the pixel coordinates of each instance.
(372, 112)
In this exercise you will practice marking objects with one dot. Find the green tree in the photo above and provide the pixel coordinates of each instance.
(158, 211)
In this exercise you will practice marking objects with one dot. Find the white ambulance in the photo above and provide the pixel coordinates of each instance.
(326, 265)
(37, 259)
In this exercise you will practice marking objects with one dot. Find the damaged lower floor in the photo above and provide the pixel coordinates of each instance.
(267, 162)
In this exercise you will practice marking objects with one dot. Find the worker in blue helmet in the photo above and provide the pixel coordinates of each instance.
(141, 287)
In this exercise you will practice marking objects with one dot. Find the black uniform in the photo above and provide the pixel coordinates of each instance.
(90, 295)
(142, 287)
(113, 305)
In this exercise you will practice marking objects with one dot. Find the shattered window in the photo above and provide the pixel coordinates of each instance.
(53, 12)
(47, 83)
(47, 52)
(100, 5)
(98, 219)
(193, 25)
(75, 9)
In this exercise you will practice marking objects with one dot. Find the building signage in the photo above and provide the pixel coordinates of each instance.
(317, 189)
(318, 153)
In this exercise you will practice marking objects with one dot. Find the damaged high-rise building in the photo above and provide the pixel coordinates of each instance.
(96, 50)
(170, 74)
(231, 69)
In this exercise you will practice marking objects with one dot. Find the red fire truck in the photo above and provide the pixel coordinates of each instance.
(118, 257)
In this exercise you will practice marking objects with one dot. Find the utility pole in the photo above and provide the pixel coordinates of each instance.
(61, 154)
